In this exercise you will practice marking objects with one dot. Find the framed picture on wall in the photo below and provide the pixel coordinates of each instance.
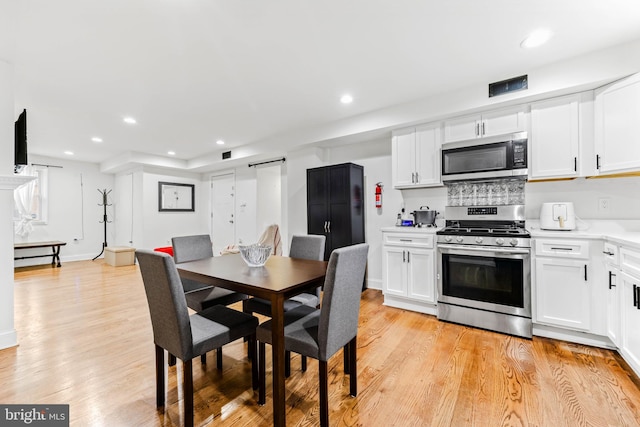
(176, 197)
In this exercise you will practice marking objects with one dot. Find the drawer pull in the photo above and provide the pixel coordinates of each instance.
(608, 253)
(406, 240)
(561, 249)
(611, 285)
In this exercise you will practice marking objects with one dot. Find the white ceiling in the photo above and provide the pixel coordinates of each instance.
(246, 71)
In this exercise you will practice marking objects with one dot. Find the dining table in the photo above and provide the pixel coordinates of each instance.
(279, 279)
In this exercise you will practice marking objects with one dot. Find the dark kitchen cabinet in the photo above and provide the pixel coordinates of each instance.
(335, 205)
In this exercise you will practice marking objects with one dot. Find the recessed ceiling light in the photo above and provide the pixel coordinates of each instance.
(346, 99)
(69, 153)
(96, 139)
(130, 120)
(220, 142)
(536, 38)
(171, 153)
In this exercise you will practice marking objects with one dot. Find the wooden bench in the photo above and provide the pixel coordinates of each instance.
(54, 245)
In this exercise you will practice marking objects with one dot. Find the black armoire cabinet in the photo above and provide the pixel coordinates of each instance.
(335, 205)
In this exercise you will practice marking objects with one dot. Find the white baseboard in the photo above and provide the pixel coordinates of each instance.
(8, 339)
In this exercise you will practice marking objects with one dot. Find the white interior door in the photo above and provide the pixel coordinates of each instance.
(223, 221)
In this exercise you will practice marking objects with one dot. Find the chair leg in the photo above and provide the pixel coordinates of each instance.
(261, 373)
(303, 363)
(353, 369)
(219, 358)
(187, 389)
(345, 352)
(159, 376)
(287, 364)
(254, 361)
(324, 393)
(203, 358)
(172, 360)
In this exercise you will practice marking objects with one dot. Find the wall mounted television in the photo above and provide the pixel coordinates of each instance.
(20, 142)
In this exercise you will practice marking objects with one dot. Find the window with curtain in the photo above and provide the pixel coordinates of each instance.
(30, 201)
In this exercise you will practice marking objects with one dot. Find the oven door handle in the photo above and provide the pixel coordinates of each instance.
(508, 251)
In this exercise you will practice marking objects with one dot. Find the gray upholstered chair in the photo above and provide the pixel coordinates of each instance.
(199, 295)
(183, 335)
(320, 333)
(306, 247)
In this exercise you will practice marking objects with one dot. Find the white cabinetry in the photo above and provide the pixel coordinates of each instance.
(490, 123)
(564, 285)
(416, 157)
(613, 327)
(555, 138)
(629, 282)
(617, 140)
(408, 270)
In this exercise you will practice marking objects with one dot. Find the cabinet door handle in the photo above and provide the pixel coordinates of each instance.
(635, 296)
(417, 178)
(477, 129)
(328, 226)
(611, 285)
(638, 297)
(326, 230)
(413, 177)
(404, 259)
(408, 256)
(483, 128)
(597, 161)
(585, 272)
(608, 253)
(575, 164)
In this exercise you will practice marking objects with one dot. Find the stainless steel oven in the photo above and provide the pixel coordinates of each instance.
(496, 157)
(484, 273)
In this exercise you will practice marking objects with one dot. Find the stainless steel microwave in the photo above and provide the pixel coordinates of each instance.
(488, 158)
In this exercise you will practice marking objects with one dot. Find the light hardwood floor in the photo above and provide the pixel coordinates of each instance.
(85, 339)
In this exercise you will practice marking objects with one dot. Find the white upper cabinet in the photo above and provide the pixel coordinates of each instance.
(555, 138)
(617, 114)
(416, 157)
(490, 123)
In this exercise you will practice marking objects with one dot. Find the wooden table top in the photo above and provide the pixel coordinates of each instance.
(279, 275)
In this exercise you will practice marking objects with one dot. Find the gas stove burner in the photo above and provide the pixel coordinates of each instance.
(421, 225)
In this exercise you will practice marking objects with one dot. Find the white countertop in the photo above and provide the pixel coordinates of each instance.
(625, 232)
(417, 230)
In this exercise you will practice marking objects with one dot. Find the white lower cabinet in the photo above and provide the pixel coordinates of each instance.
(569, 288)
(630, 317)
(408, 270)
(613, 305)
(563, 293)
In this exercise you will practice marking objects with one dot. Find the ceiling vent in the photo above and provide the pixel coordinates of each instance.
(226, 155)
(507, 86)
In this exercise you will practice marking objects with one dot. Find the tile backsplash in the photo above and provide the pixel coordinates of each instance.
(486, 193)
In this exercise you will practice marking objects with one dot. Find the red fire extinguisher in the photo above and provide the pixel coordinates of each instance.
(379, 195)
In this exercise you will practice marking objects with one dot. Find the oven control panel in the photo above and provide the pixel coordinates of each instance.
(483, 210)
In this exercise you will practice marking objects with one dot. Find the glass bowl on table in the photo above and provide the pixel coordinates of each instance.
(255, 255)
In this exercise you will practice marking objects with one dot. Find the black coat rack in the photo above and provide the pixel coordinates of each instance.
(104, 221)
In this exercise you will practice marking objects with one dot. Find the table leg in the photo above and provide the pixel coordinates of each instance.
(277, 348)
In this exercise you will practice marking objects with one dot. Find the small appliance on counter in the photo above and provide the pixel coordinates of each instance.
(557, 216)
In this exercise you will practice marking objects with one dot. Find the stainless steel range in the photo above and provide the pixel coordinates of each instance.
(484, 273)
